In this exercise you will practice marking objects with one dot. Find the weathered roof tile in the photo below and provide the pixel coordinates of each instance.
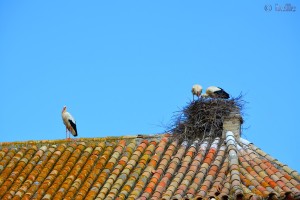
(145, 167)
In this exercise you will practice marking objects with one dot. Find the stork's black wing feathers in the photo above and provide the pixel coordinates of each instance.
(222, 94)
(74, 127)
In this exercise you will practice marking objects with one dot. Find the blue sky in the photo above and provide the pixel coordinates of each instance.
(125, 67)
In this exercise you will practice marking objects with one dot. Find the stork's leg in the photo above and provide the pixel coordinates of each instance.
(66, 133)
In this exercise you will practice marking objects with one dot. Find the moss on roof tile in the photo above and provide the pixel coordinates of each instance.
(141, 167)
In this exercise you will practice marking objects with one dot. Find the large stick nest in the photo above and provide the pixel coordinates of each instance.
(203, 118)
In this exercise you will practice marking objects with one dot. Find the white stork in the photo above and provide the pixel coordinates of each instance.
(196, 90)
(216, 92)
(69, 122)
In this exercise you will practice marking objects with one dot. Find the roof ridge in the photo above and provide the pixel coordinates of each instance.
(76, 140)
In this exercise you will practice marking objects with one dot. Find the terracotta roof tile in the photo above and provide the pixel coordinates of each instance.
(117, 170)
(70, 187)
(202, 171)
(144, 167)
(29, 160)
(85, 188)
(184, 165)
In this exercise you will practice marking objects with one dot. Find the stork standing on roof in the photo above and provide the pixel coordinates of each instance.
(69, 122)
(196, 90)
(216, 92)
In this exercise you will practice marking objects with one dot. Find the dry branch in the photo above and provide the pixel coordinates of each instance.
(203, 119)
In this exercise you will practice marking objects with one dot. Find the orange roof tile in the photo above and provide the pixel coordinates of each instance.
(144, 167)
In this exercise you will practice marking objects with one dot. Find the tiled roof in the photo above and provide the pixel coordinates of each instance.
(144, 167)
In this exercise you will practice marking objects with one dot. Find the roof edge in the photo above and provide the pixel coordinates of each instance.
(58, 141)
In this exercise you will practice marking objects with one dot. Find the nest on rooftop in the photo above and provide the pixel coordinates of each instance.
(203, 118)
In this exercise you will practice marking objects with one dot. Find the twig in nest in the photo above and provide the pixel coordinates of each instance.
(203, 119)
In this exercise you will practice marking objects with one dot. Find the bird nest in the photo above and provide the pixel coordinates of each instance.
(203, 118)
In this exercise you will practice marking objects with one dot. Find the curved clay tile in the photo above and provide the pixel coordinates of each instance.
(143, 179)
(45, 154)
(84, 189)
(65, 171)
(201, 173)
(117, 170)
(235, 180)
(84, 172)
(175, 161)
(144, 167)
(20, 173)
(181, 172)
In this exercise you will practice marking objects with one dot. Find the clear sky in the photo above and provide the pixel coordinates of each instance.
(125, 67)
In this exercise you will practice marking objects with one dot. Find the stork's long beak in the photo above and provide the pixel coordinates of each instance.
(64, 108)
